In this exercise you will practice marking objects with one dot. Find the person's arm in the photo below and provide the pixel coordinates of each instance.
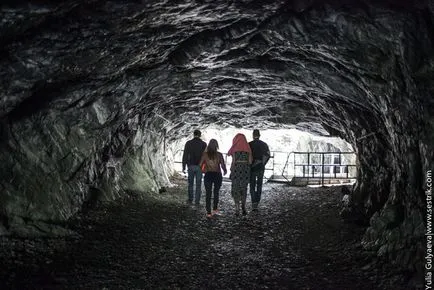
(202, 159)
(222, 164)
(233, 161)
(185, 156)
(232, 165)
(250, 158)
(266, 155)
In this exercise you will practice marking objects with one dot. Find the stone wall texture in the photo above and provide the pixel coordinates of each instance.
(92, 94)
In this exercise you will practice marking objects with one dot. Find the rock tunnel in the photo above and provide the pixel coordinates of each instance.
(95, 96)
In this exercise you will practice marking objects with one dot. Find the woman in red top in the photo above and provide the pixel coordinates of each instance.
(240, 171)
(212, 161)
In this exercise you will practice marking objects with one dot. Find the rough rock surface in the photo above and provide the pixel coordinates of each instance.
(86, 88)
(295, 241)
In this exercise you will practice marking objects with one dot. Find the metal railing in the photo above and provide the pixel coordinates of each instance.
(310, 165)
(325, 165)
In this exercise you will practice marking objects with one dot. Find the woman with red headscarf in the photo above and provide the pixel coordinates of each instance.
(240, 171)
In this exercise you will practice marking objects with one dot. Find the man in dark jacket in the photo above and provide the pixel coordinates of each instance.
(261, 155)
(193, 151)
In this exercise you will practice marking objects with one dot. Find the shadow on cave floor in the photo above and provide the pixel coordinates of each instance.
(296, 241)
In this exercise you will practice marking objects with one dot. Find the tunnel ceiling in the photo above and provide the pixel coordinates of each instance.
(239, 63)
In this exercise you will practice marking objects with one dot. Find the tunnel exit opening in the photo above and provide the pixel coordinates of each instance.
(297, 157)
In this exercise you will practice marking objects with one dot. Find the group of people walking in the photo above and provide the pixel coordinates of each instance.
(248, 166)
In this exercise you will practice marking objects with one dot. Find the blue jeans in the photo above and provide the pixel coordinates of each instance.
(194, 171)
(256, 178)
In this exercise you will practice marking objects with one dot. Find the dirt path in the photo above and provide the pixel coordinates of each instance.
(295, 241)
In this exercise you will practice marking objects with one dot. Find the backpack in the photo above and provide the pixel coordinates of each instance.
(209, 163)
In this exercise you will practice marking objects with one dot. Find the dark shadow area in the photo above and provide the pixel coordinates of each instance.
(295, 241)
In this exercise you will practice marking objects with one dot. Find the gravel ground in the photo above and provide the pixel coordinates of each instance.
(295, 241)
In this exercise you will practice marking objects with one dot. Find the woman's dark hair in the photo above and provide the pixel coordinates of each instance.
(212, 148)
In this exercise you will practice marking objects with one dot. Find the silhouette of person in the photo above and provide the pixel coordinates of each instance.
(261, 155)
(193, 151)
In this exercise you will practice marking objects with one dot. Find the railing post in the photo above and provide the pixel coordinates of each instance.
(308, 167)
(322, 170)
(287, 161)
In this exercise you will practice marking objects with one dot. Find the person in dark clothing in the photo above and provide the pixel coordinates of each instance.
(261, 155)
(214, 163)
(193, 151)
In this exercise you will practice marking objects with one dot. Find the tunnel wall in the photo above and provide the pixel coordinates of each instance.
(394, 150)
(80, 118)
(389, 123)
(56, 164)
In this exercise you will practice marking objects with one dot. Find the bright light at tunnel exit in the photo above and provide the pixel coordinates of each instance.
(283, 143)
